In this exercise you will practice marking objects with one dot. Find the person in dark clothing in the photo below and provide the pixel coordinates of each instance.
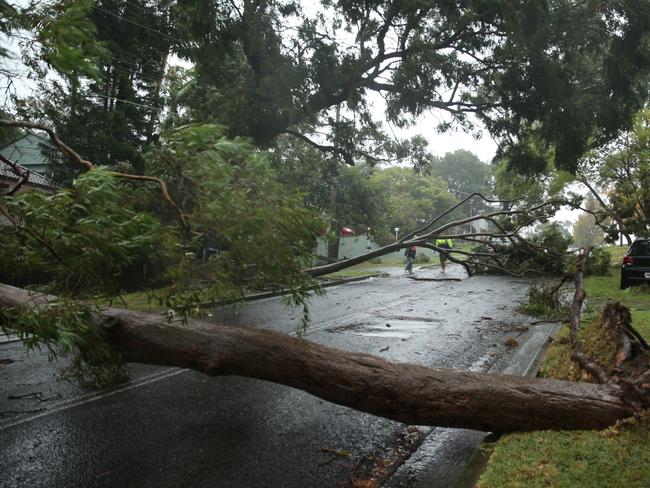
(410, 257)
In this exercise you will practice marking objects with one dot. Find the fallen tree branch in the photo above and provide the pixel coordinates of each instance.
(68, 151)
(587, 363)
(64, 148)
(22, 174)
(421, 240)
(429, 224)
(407, 393)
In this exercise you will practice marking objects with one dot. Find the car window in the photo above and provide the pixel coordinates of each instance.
(641, 249)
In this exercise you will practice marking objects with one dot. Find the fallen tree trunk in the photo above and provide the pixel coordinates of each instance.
(407, 393)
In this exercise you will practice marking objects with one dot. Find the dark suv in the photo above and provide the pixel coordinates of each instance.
(636, 264)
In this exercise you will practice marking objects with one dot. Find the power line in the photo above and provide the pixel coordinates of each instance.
(53, 84)
(121, 17)
(160, 109)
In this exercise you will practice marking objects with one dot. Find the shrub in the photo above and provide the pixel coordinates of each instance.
(599, 262)
(542, 302)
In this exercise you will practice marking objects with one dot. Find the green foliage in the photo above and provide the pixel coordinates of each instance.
(599, 261)
(570, 70)
(464, 174)
(108, 97)
(67, 328)
(542, 302)
(65, 37)
(586, 232)
(85, 237)
(516, 179)
(463, 171)
(413, 199)
(8, 20)
(346, 195)
(626, 173)
(264, 234)
(545, 255)
(82, 238)
(360, 202)
(562, 75)
(510, 184)
(555, 241)
(364, 196)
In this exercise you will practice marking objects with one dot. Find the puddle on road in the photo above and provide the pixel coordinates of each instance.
(390, 328)
(410, 318)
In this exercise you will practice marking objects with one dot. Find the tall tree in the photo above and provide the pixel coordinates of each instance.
(345, 195)
(586, 232)
(618, 176)
(463, 171)
(465, 174)
(413, 198)
(109, 109)
(572, 70)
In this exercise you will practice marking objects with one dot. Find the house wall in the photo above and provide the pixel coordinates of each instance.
(352, 246)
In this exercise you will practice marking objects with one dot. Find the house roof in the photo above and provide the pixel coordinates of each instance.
(34, 179)
(27, 151)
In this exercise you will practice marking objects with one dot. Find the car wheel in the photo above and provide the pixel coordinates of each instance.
(625, 283)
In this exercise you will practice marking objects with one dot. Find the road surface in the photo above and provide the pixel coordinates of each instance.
(169, 427)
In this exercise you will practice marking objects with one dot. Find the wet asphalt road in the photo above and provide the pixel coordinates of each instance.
(177, 428)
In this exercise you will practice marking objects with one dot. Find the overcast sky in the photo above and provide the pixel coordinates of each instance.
(440, 144)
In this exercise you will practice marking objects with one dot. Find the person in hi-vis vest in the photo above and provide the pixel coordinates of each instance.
(443, 244)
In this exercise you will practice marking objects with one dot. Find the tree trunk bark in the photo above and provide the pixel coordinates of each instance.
(406, 393)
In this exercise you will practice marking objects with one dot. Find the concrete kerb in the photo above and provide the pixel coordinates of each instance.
(525, 361)
(479, 460)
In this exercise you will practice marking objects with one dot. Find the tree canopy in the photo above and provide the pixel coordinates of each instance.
(618, 176)
(569, 73)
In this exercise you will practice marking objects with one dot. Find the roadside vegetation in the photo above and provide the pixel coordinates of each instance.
(617, 456)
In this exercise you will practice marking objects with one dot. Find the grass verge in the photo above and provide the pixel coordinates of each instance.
(618, 456)
(142, 301)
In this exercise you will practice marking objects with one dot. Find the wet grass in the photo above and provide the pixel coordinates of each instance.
(367, 268)
(618, 456)
(142, 301)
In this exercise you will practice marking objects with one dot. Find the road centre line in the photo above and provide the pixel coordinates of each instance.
(91, 397)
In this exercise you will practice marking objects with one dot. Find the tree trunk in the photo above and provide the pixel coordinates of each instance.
(406, 393)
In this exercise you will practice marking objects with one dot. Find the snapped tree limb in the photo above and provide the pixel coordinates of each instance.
(406, 393)
(71, 153)
(428, 232)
